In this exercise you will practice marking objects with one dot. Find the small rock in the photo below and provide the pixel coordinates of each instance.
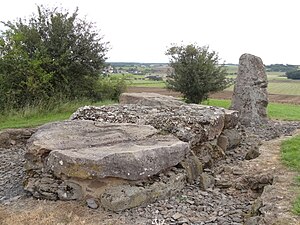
(177, 216)
(190, 202)
(183, 221)
(252, 153)
(223, 183)
(206, 181)
(91, 203)
(253, 220)
(237, 171)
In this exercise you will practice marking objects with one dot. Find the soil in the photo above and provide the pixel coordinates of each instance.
(291, 99)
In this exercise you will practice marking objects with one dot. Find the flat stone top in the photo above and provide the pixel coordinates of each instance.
(149, 99)
(83, 134)
(88, 149)
(188, 122)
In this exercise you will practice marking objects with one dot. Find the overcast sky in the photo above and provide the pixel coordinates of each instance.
(141, 30)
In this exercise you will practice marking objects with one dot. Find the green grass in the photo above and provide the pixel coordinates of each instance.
(284, 111)
(217, 102)
(148, 83)
(296, 206)
(275, 110)
(290, 155)
(35, 116)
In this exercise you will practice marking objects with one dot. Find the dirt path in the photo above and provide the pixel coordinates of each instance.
(291, 99)
(277, 198)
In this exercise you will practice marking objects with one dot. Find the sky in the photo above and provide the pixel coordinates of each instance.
(142, 30)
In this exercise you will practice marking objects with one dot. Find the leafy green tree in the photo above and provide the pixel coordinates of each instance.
(52, 53)
(294, 75)
(196, 72)
(281, 68)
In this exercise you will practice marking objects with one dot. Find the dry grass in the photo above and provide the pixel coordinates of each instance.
(34, 212)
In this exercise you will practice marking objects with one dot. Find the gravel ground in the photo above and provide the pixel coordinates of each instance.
(195, 206)
(192, 205)
(11, 173)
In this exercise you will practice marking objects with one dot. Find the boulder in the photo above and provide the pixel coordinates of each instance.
(125, 155)
(231, 119)
(206, 181)
(250, 96)
(123, 197)
(149, 99)
(189, 122)
(252, 153)
(11, 137)
(192, 166)
(229, 139)
(92, 150)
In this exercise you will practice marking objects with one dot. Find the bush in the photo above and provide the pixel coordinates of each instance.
(110, 88)
(196, 72)
(295, 75)
(53, 52)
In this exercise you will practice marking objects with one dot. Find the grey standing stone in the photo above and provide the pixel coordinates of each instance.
(250, 96)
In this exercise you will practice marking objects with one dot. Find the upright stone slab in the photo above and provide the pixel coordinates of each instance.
(250, 96)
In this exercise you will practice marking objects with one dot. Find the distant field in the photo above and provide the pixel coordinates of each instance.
(148, 83)
(231, 69)
(284, 88)
(278, 84)
(281, 88)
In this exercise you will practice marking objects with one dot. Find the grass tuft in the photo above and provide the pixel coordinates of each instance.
(41, 114)
(290, 155)
(296, 206)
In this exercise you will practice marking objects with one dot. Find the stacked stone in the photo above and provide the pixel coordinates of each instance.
(114, 153)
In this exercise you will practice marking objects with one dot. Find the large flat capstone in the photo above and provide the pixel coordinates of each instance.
(149, 99)
(88, 150)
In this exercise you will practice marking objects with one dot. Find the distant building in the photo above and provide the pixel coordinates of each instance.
(108, 69)
(154, 77)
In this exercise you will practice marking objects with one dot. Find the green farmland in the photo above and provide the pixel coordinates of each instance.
(147, 83)
(284, 87)
(278, 83)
